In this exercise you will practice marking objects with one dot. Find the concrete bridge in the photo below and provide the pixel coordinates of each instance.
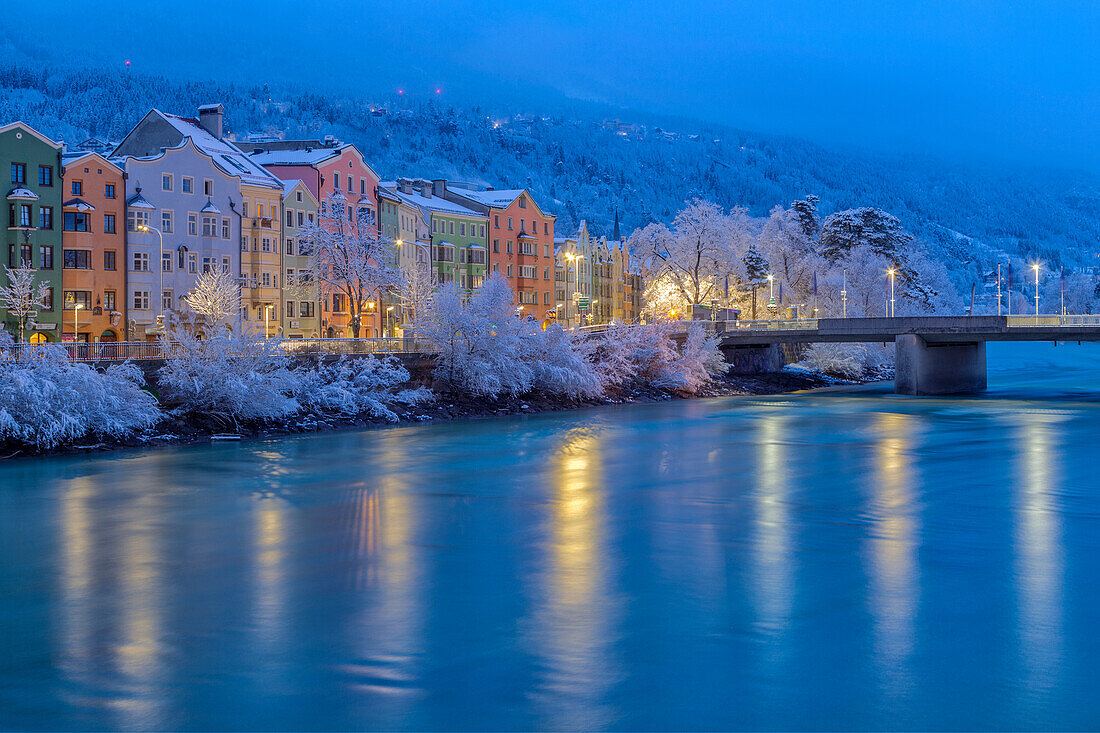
(934, 354)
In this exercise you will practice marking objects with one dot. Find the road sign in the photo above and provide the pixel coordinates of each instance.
(771, 304)
(583, 302)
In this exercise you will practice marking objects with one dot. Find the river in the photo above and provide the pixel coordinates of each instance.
(834, 560)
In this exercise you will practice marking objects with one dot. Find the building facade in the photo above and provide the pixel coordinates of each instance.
(93, 237)
(521, 245)
(182, 219)
(301, 304)
(34, 195)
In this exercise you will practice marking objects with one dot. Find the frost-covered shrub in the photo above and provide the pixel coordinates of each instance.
(231, 376)
(354, 386)
(46, 400)
(849, 361)
(647, 354)
(562, 363)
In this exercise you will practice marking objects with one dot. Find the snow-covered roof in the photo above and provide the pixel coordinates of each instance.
(78, 204)
(22, 193)
(225, 154)
(32, 131)
(497, 199)
(137, 201)
(305, 156)
(210, 208)
(433, 204)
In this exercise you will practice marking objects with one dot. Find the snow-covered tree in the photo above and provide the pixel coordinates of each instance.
(216, 297)
(228, 376)
(693, 258)
(349, 257)
(22, 296)
(756, 273)
(647, 354)
(416, 290)
(46, 400)
(562, 362)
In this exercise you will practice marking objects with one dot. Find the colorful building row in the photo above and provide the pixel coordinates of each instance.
(120, 234)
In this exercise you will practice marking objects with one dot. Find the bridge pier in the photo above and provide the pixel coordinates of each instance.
(924, 368)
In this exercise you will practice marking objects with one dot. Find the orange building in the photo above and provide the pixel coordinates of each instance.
(520, 241)
(93, 240)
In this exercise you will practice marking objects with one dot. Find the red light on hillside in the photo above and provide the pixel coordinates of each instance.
(400, 91)
(438, 91)
(127, 62)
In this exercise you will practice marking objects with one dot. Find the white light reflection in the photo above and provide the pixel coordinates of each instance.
(1038, 540)
(573, 626)
(894, 591)
(772, 584)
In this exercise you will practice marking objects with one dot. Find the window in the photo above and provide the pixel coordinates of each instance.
(166, 181)
(76, 221)
(77, 259)
(187, 184)
(109, 191)
(336, 181)
(509, 246)
(109, 260)
(476, 256)
(289, 276)
(109, 300)
(165, 261)
(266, 279)
(192, 224)
(108, 223)
(509, 223)
(305, 309)
(208, 187)
(496, 267)
(298, 197)
(290, 217)
(260, 210)
(83, 298)
(45, 175)
(528, 271)
(225, 264)
(209, 226)
(481, 230)
(337, 302)
(522, 202)
(209, 264)
(47, 300)
(496, 246)
(290, 246)
(166, 300)
(546, 298)
(496, 221)
(265, 246)
(45, 217)
(527, 248)
(244, 244)
(136, 219)
(18, 172)
(451, 227)
(547, 253)
(546, 273)
(301, 218)
(534, 227)
(462, 256)
(141, 262)
(45, 257)
(546, 227)
(351, 181)
(25, 215)
(141, 300)
(362, 186)
(166, 222)
(225, 227)
(509, 271)
(192, 263)
(290, 309)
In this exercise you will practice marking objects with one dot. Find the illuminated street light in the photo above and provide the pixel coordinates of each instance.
(891, 272)
(1035, 267)
(160, 237)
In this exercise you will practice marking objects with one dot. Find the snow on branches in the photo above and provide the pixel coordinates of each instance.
(348, 256)
(216, 297)
(22, 297)
(46, 400)
(355, 386)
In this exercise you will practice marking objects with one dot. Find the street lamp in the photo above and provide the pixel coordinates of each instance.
(1035, 267)
(577, 283)
(76, 322)
(891, 272)
(771, 294)
(160, 237)
(389, 320)
(844, 293)
(267, 320)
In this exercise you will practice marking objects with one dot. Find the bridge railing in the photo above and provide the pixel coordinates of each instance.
(145, 350)
(795, 324)
(1047, 321)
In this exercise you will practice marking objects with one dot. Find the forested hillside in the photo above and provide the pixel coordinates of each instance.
(583, 168)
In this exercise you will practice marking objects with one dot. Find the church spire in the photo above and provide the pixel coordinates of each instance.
(615, 231)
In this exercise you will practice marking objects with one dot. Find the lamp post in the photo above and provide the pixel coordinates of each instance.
(575, 258)
(844, 293)
(998, 288)
(1035, 267)
(389, 320)
(771, 294)
(891, 272)
(267, 320)
(76, 324)
(160, 239)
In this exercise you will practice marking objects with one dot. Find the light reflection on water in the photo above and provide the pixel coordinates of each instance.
(823, 561)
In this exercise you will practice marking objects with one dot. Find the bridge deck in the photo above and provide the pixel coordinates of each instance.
(933, 329)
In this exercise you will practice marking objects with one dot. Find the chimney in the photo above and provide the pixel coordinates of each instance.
(425, 188)
(439, 187)
(211, 119)
(404, 185)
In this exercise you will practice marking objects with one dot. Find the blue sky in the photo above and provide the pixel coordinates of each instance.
(1002, 81)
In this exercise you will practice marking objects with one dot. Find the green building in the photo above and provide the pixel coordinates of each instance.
(301, 302)
(34, 195)
(454, 236)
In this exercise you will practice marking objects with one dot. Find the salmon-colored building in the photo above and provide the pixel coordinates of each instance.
(93, 240)
(326, 168)
(520, 240)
